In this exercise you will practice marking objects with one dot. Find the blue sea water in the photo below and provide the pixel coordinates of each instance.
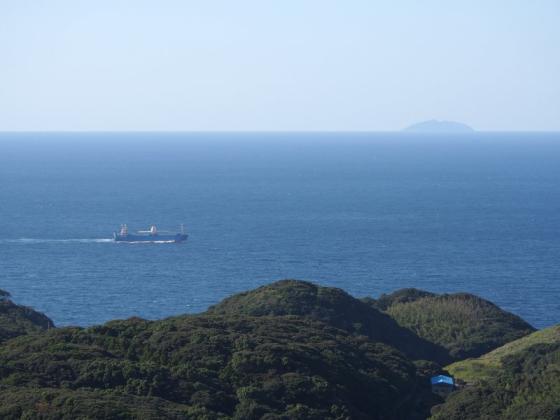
(369, 213)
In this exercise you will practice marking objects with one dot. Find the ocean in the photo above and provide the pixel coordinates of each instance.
(367, 212)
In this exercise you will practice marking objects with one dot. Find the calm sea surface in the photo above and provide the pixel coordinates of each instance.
(369, 213)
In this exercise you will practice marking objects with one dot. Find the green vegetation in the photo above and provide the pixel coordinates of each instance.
(52, 403)
(409, 295)
(490, 364)
(226, 363)
(334, 307)
(464, 324)
(526, 386)
(17, 320)
(240, 367)
(289, 350)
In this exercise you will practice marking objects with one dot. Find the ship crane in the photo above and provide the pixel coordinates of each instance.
(152, 231)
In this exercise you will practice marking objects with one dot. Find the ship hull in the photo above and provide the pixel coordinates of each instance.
(179, 237)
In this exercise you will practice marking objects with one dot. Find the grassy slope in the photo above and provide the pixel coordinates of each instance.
(489, 364)
(527, 386)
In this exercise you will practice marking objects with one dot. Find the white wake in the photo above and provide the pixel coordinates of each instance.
(46, 241)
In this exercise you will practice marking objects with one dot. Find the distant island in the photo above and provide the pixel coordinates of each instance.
(435, 126)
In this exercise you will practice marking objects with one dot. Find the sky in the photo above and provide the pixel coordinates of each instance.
(282, 65)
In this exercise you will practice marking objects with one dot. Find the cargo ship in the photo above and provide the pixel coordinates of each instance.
(150, 235)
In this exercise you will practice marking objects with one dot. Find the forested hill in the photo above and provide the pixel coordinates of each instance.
(289, 350)
(17, 320)
(526, 386)
(464, 324)
(518, 380)
(490, 364)
(334, 307)
(220, 364)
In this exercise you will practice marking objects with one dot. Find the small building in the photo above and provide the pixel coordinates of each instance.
(442, 385)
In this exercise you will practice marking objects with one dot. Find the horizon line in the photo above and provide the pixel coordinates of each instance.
(402, 131)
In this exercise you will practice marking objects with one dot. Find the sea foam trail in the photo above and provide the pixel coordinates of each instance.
(24, 241)
(31, 241)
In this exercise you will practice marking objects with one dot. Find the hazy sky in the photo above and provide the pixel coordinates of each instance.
(278, 65)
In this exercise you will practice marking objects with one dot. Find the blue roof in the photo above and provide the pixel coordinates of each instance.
(442, 379)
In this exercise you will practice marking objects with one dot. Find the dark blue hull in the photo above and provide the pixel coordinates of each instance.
(179, 237)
